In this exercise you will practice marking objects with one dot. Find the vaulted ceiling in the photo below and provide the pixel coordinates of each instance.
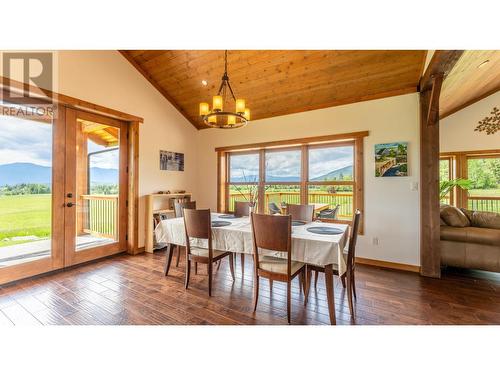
(276, 83)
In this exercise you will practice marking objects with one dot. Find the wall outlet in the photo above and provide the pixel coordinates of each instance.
(375, 241)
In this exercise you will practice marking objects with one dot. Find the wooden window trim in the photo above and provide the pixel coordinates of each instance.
(460, 169)
(304, 145)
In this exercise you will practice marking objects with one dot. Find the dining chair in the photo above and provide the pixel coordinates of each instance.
(302, 212)
(350, 263)
(330, 214)
(241, 209)
(274, 233)
(179, 212)
(198, 225)
(273, 208)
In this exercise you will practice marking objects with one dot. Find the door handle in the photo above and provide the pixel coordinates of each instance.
(70, 204)
(69, 195)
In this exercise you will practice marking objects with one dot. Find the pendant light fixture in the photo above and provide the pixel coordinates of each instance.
(224, 118)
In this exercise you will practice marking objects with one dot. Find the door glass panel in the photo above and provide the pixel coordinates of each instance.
(25, 187)
(97, 184)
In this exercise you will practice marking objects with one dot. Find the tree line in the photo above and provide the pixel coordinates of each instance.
(28, 189)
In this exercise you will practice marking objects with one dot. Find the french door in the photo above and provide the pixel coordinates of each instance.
(63, 190)
(95, 187)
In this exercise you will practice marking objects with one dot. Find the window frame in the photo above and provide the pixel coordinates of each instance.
(355, 140)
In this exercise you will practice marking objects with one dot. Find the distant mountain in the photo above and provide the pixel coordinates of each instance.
(334, 175)
(29, 173)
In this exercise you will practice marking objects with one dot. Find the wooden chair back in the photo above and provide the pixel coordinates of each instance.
(303, 212)
(180, 206)
(198, 224)
(352, 240)
(241, 209)
(272, 232)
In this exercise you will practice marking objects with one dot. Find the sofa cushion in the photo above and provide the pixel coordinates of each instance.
(454, 217)
(453, 234)
(485, 220)
(484, 236)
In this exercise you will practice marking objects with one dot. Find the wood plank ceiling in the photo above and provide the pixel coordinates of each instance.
(276, 83)
(470, 80)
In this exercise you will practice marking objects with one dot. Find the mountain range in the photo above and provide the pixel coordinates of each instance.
(333, 175)
(29, 173)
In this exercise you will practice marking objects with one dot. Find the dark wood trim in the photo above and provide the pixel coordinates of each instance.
(442, 62)
(296, 141)
(433, 110)
(68, 101)
(160, 89)
(470, 102)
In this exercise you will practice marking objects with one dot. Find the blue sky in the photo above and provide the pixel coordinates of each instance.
(26, 141)
(287, 163)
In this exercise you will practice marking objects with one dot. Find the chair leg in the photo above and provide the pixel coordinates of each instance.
(255, 291)
(316, 279)
(231, 265)
(342, 278)
(353, 285)
(308, 284)
(196, 268)
(270, 285)
(349, 294)
(178, 255)
(302, 282)
(242, 260)
(209, 271)
(218, 264)
(288, 300)
(188, 270)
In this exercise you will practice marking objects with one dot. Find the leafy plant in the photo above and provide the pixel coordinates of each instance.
(446, 186)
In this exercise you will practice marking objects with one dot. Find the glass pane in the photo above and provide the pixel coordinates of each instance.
(25, 188)
(244, 193)
(327, 197)
(280, 195)
(244, 168)
(331, 163)
(97, 184)
(484, 175)
(283, 166)
(444, 175)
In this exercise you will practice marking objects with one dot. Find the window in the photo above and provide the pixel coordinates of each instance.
(331, 178)
(298, 172)
(482, 168)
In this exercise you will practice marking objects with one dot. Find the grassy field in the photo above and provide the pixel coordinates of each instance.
(24, 215)
(485, 192)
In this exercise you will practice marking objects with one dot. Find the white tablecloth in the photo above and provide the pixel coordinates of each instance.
(307, 247)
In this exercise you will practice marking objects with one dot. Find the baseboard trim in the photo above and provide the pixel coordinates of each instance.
(391, 265)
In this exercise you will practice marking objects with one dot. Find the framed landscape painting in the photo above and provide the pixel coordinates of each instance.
(391, 159)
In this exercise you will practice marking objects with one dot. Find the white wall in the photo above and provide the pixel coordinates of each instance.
(457, 130)
(391, 208)
(108, 79)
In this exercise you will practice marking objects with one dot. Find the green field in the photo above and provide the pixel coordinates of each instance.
(24, 215)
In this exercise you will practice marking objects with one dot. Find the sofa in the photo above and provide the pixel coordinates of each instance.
(470, 239)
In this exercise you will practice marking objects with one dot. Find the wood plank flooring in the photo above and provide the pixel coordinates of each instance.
(132, 290)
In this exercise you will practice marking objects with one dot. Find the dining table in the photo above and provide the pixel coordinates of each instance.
(234, 234)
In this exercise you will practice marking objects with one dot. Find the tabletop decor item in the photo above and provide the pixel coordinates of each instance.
(391, 159)
(171, 161)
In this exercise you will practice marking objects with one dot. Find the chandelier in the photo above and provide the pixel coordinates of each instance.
(217, 117)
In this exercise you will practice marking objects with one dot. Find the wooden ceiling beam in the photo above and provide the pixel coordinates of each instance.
(442, 62)
(157, 86)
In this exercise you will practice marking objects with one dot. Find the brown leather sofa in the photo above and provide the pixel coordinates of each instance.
(470, 239)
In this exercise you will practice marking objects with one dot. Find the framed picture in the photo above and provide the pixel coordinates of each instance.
(171, 161)
(391, 159)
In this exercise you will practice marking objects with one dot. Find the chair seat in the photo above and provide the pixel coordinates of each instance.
(278, 265)
(200, 252)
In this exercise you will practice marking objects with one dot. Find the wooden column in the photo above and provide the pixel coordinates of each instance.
(133, 188)
(441, 64)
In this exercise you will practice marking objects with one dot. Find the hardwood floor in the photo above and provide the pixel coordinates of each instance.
(132, 290)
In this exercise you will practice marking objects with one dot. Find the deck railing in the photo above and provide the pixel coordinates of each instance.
(491, 204)
(293, 197)
(100, 215)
